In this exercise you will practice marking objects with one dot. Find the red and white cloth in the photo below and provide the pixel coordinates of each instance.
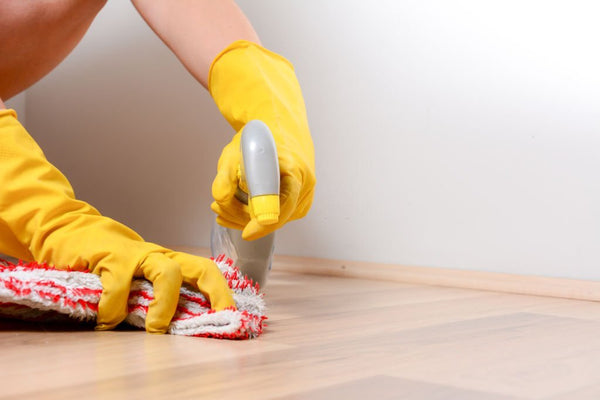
(32, 291)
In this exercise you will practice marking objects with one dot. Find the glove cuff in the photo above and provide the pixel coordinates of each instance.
(243, 45)
(8, 112)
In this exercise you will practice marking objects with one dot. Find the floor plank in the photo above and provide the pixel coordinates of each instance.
(328, 338)
(382, 387)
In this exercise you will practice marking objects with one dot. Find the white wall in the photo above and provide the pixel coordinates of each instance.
(457, 134)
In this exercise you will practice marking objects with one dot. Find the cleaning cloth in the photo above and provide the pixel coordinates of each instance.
(39, 292)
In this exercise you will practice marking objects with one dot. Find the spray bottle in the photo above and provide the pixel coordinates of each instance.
(259, 176)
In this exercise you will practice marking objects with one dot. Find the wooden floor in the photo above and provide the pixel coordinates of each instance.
(329, 338)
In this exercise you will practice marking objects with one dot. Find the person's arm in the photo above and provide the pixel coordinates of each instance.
(196, 30)
(217, 44)
(41, 220)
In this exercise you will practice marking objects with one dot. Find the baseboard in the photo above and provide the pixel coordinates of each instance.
(467, 279)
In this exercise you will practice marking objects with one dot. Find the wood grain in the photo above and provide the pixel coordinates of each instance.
(328, 337)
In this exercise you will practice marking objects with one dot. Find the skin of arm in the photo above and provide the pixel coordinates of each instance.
(196, 30)
(35, 36)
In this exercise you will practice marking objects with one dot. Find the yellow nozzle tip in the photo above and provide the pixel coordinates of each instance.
(265, 208)
(267, 219)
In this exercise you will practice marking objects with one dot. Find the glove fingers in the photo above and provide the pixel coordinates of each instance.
(304, 205)
(232, 220)
(229, 224)
(112, 308)
(204, 275)
(233, 211)
(166, 277)
(226, 180)
(290, 191)
(223, 187)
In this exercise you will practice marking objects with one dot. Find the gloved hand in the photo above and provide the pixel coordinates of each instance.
(41, 220)
(249, 82)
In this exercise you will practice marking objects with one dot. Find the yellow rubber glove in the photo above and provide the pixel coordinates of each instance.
(249, 82)
(41, 220)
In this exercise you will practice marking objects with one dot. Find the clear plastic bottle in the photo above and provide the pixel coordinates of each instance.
(254, 258)
(260, 173)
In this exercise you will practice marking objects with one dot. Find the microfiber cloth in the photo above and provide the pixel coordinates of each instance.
(38, 292)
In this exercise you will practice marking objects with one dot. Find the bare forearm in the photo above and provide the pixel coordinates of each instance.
(196, 30)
